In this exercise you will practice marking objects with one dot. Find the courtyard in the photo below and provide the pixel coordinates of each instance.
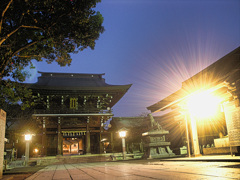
(182, 168)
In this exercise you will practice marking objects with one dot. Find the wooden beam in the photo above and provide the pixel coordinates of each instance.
(67, 115)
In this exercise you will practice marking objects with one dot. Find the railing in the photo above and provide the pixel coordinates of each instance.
(70, 111)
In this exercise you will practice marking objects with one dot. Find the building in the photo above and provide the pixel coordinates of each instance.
(71, 110)
(216, 90)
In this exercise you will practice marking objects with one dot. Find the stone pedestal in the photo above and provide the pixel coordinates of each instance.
(155, 144)
(2, 137)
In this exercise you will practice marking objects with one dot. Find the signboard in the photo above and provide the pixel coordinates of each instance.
(2, 137)
(232, 115)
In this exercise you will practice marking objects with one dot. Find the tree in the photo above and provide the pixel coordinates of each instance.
(17, 119)
(48, 30)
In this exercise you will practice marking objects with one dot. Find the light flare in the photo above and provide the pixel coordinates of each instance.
(122, 134)
(28, 137)
(36, 150)
(203, 105)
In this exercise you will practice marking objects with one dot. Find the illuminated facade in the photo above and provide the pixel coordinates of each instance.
(206, 109)
(71, 110)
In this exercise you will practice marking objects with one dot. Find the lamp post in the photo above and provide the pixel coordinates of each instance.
(122, 134)
(28, 137)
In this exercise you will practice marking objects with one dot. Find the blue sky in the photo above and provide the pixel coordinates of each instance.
(155, 45)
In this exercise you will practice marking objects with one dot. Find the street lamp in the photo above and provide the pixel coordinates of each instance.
(28, 138)
(122, 134)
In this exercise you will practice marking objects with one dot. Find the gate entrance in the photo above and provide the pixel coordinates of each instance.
(73, 146)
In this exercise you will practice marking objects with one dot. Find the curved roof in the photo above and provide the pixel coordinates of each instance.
(226, 68)
(74, 81)
(77, 83)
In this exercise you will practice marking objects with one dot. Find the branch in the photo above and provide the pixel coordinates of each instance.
(3, 13)
(2, 68)
(22, 26)
(24, 47)
(59, 19)
(28, 56)
(4, 64)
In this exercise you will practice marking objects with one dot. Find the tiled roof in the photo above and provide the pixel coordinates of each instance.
(74, 81)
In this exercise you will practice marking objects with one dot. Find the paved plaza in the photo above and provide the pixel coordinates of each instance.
(140, 170)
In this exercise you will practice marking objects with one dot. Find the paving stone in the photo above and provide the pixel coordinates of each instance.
(141, 170)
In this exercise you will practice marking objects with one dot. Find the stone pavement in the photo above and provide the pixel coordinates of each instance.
(20, 173)
(208, 158)
(204, 167)
(139, 170)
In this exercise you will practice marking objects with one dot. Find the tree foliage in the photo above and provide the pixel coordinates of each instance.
(17, 118)
(44, 30)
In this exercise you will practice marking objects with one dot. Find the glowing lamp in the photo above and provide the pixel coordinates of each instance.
(28, 137)
(203, 104)
(36, 150)
(122, 134)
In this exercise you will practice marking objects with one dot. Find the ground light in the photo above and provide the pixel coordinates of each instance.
(122, 134)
